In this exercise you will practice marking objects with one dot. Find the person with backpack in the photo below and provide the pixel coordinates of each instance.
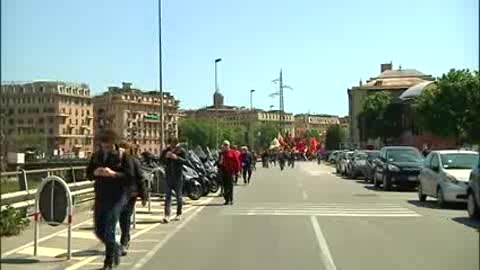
(174, 157)
(113, 174)
(137, 189)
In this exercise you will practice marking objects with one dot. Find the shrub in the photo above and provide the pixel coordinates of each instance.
(13, 221)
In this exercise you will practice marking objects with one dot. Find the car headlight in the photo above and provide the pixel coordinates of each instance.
(452, 179)
(393, 168)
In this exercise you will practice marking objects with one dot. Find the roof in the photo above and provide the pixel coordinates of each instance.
(400, 73)
(455, 152)
(416, 90)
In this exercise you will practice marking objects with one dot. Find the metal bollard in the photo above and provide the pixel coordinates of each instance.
(73, 175)
(134, 222)
(22, 180)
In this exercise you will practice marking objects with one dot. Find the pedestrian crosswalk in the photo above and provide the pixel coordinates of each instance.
(323, 209)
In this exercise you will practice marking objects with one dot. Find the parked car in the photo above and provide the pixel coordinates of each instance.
(369, 168)
(333, 156)
(357, 166)
(445, 175)
(473, 192)
(398, 165)
(337, 159)
(344, 161)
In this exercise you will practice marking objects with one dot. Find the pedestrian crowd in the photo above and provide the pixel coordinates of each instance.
(119, 182)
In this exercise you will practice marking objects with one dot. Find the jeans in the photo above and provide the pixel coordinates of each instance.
(126, 220)
(227, 179)
(176, 186)
(106, 216)
(247, 174)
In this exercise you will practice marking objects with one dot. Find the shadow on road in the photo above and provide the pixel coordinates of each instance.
(394, 189)
(434, 205)
(19, 261)
(474, 224)
(83, 253)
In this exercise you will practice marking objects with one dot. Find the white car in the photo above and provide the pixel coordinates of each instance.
(445, 175)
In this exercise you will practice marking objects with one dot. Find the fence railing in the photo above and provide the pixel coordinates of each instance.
(19, 187)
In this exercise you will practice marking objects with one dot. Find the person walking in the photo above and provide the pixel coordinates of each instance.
(112, 174)
(265, 159)
(238, 154)
(229, 166)
(246, 160)
(173, 157)
(282, 158)
(136, 190)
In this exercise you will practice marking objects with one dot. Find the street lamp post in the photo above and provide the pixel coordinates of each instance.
(251, 98)
(162, 132)
(216, 105)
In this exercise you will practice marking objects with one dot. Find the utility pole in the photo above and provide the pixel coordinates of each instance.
(280, 93)
(215, 102)
(162, 131)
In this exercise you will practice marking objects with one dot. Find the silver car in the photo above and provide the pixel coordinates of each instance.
(445, 175)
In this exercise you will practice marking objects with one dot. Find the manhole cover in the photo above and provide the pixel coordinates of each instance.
(365, 195)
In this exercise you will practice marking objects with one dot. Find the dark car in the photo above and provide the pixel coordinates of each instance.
(358, 164)
(369, 168)
(473, 192)
(398, 165)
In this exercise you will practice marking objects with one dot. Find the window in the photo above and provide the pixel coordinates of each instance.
(41, 130)
(83, 112)
(435, 162)
(76, 121)
(88, 112)
(40, 121)
(64, 131)
(50, 130)
(10, 121)
(30, 121)
(70, 121)
(76, 112)
(50, 120)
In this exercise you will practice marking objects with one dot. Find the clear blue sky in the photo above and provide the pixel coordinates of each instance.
(324, 47)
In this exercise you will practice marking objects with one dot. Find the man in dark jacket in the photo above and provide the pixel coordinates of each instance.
(246, 159)
(229, 166)
(113, 175)
(137, 189)
(173, 157)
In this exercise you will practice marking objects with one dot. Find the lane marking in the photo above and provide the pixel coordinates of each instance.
(304, 195)
(325, 254)
(90, 259)
(47, 252)
(165, 240)
(275, 213)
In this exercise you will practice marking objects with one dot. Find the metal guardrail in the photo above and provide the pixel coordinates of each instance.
(25, 197)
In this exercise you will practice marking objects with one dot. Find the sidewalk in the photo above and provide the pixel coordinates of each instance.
(17, 251)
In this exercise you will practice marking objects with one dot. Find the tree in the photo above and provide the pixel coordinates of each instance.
(452, 108)
(334, 137)
(380, 117)
(264, 134)
(312, 133)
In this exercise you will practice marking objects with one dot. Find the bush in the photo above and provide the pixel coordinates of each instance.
(13, 221)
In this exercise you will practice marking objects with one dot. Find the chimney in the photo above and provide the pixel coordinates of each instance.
(384, 67)
(126, 85)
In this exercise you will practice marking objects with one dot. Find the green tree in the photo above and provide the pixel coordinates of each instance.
(335, 135)
(312, 133)
(452, 108)
(264, 134)
(34, 142)
(380, 117)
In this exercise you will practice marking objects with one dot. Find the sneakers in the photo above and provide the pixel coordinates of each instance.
(107, 267)
(166, 219)
(124, 249)
(177, 218)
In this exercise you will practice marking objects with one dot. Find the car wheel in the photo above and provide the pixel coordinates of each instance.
(387, 183)
(472, 206)
(440, 198)
(376, 183)
(422, 197)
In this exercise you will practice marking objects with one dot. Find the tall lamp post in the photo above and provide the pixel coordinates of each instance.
(162, 131)
(251, 98)
(216, 105)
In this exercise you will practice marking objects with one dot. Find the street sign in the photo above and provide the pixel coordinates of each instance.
(53, 204)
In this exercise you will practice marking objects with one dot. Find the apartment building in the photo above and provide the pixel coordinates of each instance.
(135, 115)
(60, 113)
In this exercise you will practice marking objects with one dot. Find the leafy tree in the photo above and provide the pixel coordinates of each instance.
(335, 135)
(312, 133)
(264, 134)
(452, 108)
(381, 117)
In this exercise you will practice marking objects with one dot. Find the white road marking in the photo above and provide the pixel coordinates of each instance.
(304, 195)
(46, 251)
(322, 243)
(155, 249)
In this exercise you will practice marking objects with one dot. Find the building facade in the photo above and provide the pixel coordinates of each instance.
(135, 116)
(319, 122)
(389, 80)
(60, 113)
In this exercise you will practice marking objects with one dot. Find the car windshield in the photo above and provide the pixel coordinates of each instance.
(459, 160)
(404, 155)
(348, 155)
(373, 155)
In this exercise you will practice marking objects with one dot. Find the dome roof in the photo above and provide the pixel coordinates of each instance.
(416, 90)
(399, 73)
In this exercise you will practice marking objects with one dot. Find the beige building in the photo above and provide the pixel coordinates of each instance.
(135, 115)
(245, 117)
(393, 81)
(320, 122)
(60, 112)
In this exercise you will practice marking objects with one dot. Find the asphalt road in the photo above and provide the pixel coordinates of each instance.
(302, 218)
(309, 218)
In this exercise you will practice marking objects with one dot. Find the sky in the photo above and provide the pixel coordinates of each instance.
(323, 47)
